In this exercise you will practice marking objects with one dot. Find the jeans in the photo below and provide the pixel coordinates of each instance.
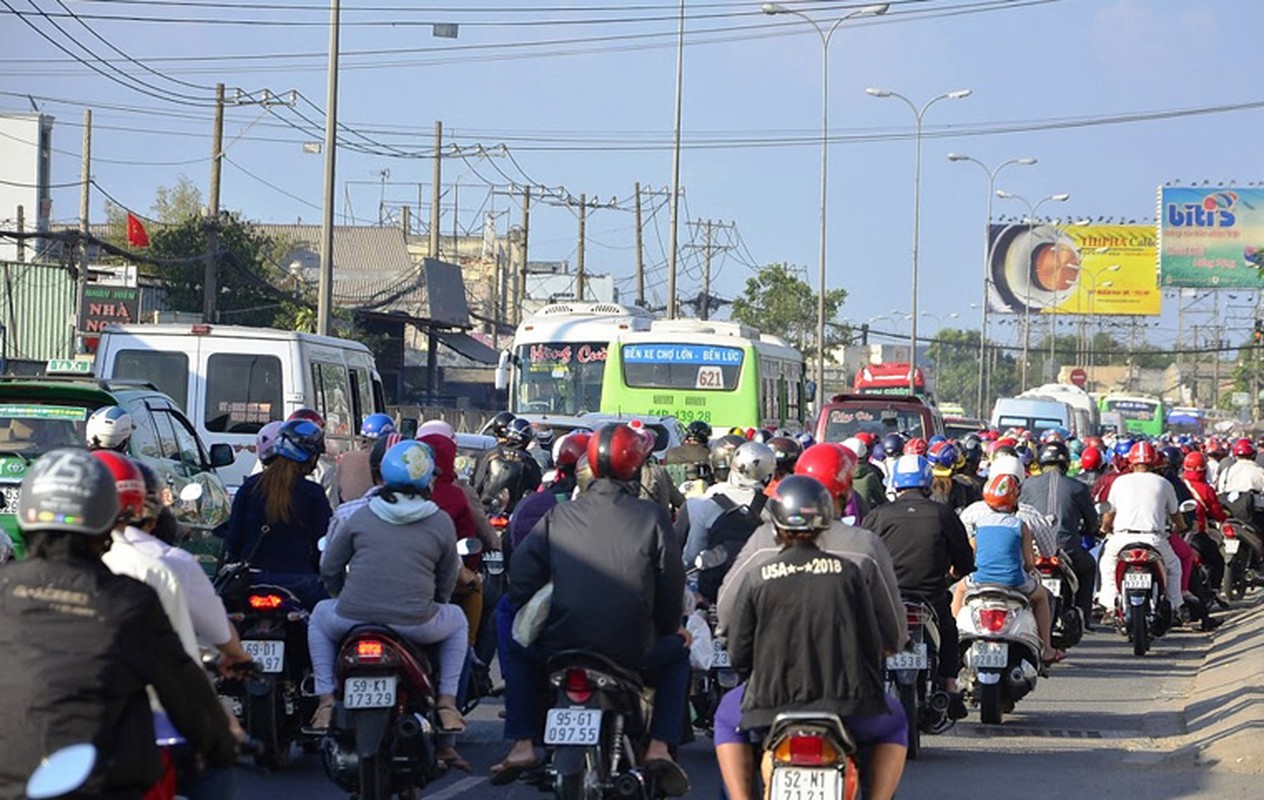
(447, 628)
(949, 638)
(1209, 552)
(666, 666)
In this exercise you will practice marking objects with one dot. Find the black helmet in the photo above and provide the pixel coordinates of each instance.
(698, 431)
(801, 503)
(972, 446)
(68, 490)
(786, 451)
(500, 423)
(893, 445)
(153, 488)
(518, 433)
(1054, 453)
(722, 453)
(762, 436)
(299, 440)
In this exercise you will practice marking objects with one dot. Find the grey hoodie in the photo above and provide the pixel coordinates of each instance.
(391, 563)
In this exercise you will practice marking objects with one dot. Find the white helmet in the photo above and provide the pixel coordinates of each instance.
(753, 464)
(856, 446)
(1007, 465)
(436, 426)
(109, 428)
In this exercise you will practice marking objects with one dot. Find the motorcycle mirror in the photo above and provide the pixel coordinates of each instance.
(709, 559)
(469, 546)
(62, 772)
(191, 493)
(1188, 506)
(1104, 507)
(321, 542)
(1233, 497)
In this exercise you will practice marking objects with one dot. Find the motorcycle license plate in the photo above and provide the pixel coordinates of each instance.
(720, 658)
(802, 783)
(910, 659)
(989, 655)
(1231, 546)
(572, 726)
(378, 692)
(1138, 580)
(1054, 585)
(269, 654)
(494, 560)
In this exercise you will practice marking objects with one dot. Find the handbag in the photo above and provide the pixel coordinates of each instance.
(232, 583)
(530, 619)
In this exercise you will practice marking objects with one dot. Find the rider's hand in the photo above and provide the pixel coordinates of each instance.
(232, 660)
(687, 636)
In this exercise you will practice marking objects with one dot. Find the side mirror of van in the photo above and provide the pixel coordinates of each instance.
(222, 454)
(502, 371)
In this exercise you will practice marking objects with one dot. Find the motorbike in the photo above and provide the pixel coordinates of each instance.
(813, 756)
(274, 701)
(713, 674)
(1062, 584)
(1243, 547)
(381, 741)
(1000, 649)
(913, 676)
(1142, 610)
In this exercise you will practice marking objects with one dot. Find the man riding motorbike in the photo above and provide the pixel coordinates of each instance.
(508, 471)
(354, 476)
(749, 471)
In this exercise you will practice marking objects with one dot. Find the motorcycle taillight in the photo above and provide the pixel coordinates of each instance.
(370, 651)
(1229, 531)
(1137, 556)
(577, 687)
(806, 750)
(265, 602)
(1047, 561)
(993, 619)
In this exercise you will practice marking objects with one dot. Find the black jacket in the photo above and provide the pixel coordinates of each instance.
(806, 632)
(504, 467)
(925, 539)
(1069, 502)
(618, 580)
(78, 645)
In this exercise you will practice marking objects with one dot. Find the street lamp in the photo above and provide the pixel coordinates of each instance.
(827, 35)
(987, 262)
(1091, 291)
(1060, 197)
(918, 113)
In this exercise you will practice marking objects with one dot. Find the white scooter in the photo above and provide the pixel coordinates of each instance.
(1000, 649)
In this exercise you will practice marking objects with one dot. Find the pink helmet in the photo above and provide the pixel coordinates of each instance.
(436, 427)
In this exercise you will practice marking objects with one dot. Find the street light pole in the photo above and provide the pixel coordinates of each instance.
(982, 394)
(673, 227)
(918, 114)
(827, 35)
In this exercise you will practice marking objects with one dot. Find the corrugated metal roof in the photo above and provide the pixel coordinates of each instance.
(37, 303)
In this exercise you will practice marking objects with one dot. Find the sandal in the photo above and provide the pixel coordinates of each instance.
(454, 760)
(1058, 655)
(669, 776)
(319, 724)
(506, 772)
(450, 720)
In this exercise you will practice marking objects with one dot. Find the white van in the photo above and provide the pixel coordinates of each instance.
(1034, 414)
(232, 380)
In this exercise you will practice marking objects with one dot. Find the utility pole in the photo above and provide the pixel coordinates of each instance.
(210, 273)
(84, 209)
(640, 252)
(434, 191)
(709, 249)
(705, 311)
(579, 256)
(325, 288)
(672, 244)
(522, 243)
(21, 230)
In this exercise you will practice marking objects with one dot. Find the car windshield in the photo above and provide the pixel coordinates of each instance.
(32, 429)
(847, 420)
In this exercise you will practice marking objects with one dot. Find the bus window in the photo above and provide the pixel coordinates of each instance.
(680, 366)
(243, 392)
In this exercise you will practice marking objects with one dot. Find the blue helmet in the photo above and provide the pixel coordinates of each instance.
(408, 464)
(299, 440)
(936, 439)
(912, 472)
(805, 439)
(376, 425)
(893, 445)
(1122, 447)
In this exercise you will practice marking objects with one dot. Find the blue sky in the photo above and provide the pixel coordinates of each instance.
(1027, 63)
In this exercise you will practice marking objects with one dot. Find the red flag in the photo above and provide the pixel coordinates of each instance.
(136, 235)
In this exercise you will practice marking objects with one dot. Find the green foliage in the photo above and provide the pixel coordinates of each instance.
(176, 203)
(955, 356)
(778, 301)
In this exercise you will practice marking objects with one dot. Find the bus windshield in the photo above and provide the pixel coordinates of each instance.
(1143, 410)
(560, 377)
(852, 417)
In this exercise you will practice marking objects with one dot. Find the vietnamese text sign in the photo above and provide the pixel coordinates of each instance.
(1211, 238)
(105, 305)
(1073, 269)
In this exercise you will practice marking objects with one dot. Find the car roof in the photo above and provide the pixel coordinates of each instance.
(87, 390)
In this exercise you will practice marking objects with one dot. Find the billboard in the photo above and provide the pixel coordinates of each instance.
(1211, 238)
(1073, 269)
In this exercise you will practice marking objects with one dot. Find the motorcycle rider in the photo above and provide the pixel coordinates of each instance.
(109, 428)
(1092, 464)
(868, 480)
(619, 586)
(1143, 506)
(946, 459)
(1067, 503)
(748, 473)
(693, 451)
(786, 451)
(928, 545)
(79, 645)
(354, 476)
(805, 631)
(1207, 508)
(508, 468)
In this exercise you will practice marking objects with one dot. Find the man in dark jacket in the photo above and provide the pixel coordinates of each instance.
(79, 644)
(1069, 504)
(618, 588)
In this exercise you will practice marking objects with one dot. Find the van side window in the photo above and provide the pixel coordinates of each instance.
(362, 389)
(243, 392)
(333, 397)
(168, 371)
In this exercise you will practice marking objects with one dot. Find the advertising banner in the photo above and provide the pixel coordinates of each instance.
(1073, 269)
(1211, 238)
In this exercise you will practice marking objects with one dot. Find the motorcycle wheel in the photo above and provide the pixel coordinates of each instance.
(375, 778)
(1139, 630)
(990, 703)
(264, 722)
(1235, 579)
(908, 699)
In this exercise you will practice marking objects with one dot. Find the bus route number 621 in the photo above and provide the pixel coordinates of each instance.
(709, 378)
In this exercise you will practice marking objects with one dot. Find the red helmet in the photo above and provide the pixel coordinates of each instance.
(311, 415)
(128, 480)
(569, 448)
(1001, 493)
(1196, 463)
(1143, 453)
(618, 452)
(870, 439)
(1243, 448)
(1215, 448)
(916, 446)
(1095, 441)
(831, 464)
(1091, 459)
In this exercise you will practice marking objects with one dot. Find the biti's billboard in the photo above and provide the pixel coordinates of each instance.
(1211, 238)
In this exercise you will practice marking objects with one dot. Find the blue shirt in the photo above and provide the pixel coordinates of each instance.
(998, 550)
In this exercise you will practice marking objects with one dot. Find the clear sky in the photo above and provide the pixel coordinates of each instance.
(581, 92)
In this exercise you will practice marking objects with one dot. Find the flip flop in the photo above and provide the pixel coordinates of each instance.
(669, 776)
(506, 772)
(1058, 655)
(450, 720)
(456, 762)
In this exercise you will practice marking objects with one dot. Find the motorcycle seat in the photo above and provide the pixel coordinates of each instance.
(986, 590)
(597, 662)
(417, 652)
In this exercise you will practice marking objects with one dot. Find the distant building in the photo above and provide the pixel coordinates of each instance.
(26, 146)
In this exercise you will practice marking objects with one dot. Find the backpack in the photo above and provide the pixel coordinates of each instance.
(730, 530)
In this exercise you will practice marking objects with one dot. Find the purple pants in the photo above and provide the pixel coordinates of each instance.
(888, 728)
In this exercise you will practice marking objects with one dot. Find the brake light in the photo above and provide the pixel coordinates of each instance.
(993, 619)
(806, 750)
(369, 651)
(265, 602)
(1229, 531)
(1047, 561)
(500, 523)
(200, 330)
(1137, 556)
(578, 689)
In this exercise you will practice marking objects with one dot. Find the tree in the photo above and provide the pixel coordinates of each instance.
(778, 301)
(177, 203)
(955, 356)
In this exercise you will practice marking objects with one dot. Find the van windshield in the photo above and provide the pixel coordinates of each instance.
(166, 370)
(847, 419)
(243, 392)
(1036, 425)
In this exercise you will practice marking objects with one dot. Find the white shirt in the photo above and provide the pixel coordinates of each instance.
(1143, 501)
(1042, 533)
(125, 559)
(1243, 475)
(206, 609)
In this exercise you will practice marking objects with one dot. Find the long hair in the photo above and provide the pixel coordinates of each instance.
(66, 545)
(277, 487)
(941, 489)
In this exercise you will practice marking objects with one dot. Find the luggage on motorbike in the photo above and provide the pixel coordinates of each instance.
(730, 531)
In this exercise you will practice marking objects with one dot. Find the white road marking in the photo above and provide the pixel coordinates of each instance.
(460, 787)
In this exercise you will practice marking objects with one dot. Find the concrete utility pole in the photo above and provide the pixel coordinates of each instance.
(210, 272)
(640, 252)
(85, 197)
(579, 256)
(325, 289)
(705, 311)
(434, 191)
(673, 225)
(522, 243)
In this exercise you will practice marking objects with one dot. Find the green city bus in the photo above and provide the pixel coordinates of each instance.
(1140, 414)
(720, 372)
